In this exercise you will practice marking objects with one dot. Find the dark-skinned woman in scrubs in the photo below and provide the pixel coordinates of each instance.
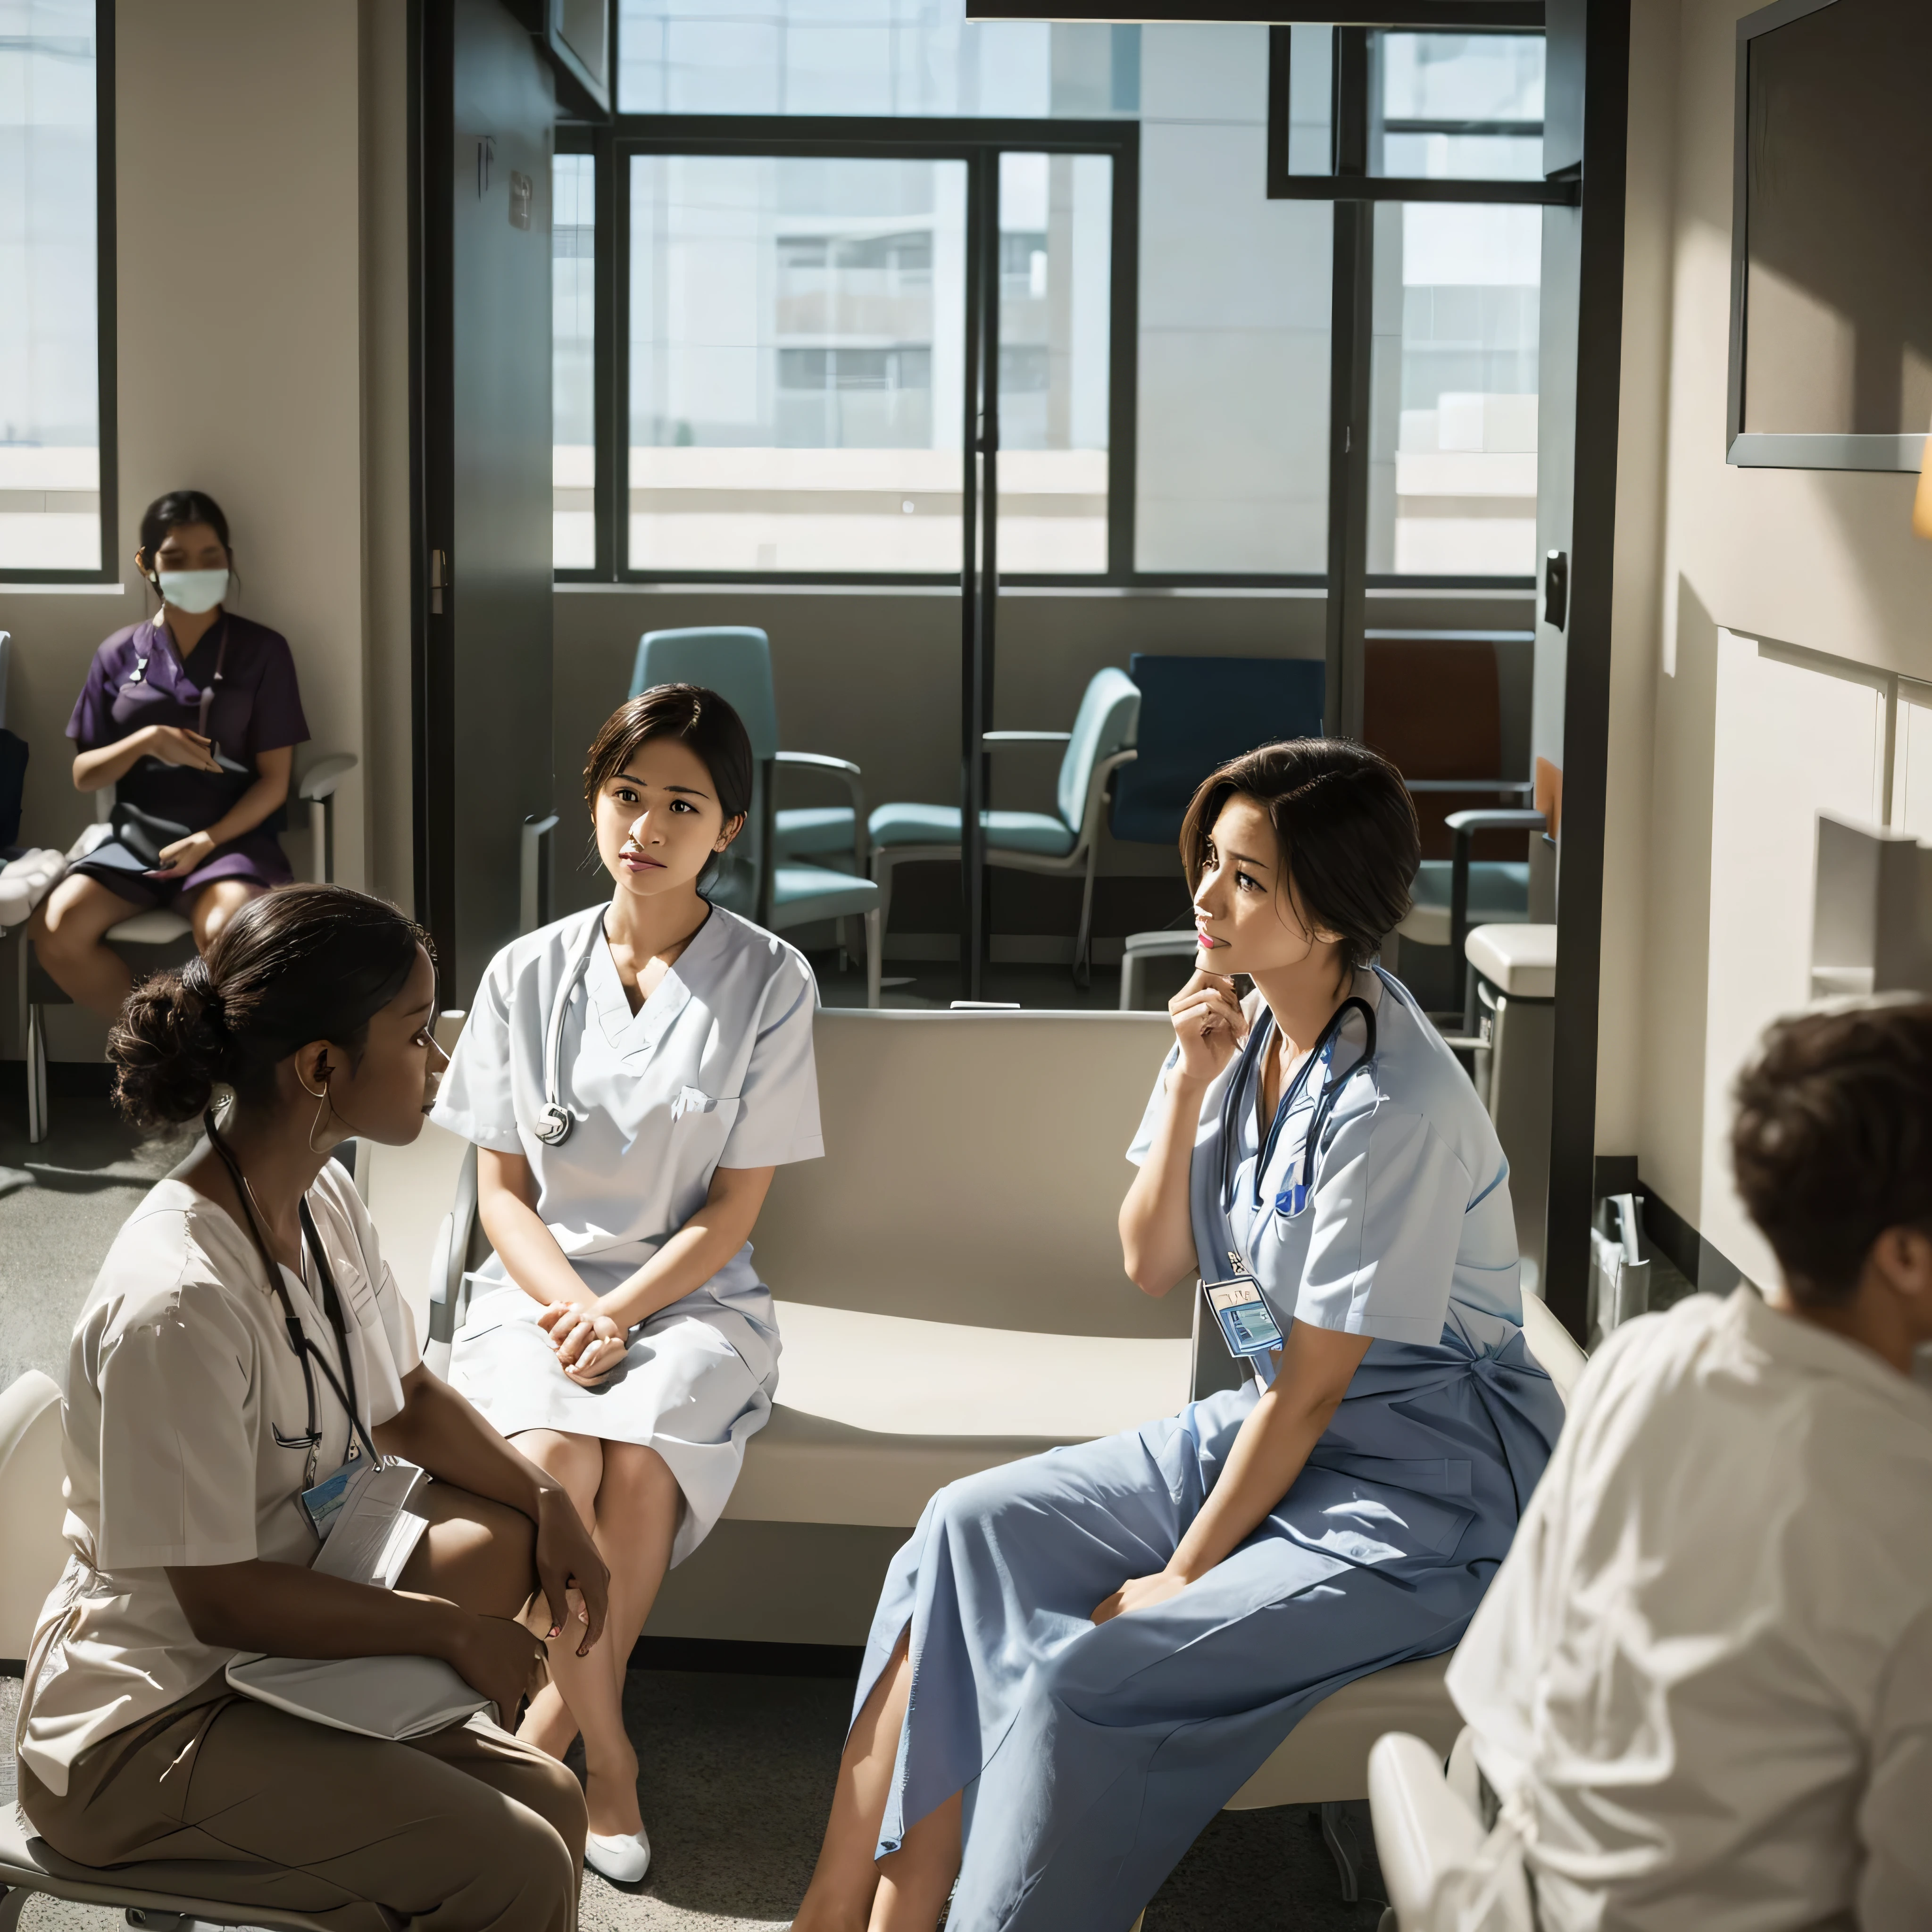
(193, 716)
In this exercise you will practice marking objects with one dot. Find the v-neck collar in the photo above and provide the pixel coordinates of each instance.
(640, 1032)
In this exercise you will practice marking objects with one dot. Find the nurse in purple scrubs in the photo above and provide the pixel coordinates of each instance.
(192, 718)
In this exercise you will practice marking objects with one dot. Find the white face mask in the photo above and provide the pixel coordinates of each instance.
(194, 591)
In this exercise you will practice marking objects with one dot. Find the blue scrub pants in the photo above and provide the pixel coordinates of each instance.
(1091, 1756)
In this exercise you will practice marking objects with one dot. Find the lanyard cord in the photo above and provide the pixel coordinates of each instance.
(214, 683)
(299, 1342)
(1331, 1089)
(212, 688)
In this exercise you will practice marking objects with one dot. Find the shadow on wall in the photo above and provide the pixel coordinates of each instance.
(1677, 974)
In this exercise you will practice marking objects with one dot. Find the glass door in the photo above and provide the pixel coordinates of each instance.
(797, 339)
(1040, 308)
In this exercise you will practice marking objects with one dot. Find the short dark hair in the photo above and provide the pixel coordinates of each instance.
(300, 963)
(171, 512)
(689, 711)
(1346, 826)
(1832, 1143)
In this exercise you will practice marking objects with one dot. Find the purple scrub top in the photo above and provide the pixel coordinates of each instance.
(136, 680)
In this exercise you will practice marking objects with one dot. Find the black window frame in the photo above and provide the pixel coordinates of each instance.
(108, 487)
(946, 138)
(883, 138)
(1354, 193)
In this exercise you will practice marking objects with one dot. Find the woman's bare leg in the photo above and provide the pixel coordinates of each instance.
(638, 1505)
(216, 905)
(841, 1896)
(916, 1880)
(578, 1462)
(632, 1505)
(68, 928)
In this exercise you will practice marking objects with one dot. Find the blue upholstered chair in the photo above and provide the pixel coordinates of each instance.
(1062, 841)
(763, 878)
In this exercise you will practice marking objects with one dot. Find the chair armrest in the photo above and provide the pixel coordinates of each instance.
(1026, 737)
(1463, 824)
(321, 778)
(854, 778)
(1518, 787)
(446, 1289)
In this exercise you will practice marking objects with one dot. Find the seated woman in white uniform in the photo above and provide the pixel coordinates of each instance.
(245, 1345)
(1078, 1658)
(631, 1076)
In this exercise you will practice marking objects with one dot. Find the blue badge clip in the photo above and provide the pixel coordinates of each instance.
(1290, 1201)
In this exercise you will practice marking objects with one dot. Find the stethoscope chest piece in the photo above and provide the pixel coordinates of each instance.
(553, 1125)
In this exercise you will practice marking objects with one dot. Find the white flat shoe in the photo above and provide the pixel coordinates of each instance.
(624, 1861)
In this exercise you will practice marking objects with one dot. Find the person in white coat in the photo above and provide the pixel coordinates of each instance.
(631, 1076)
(1700, 1686)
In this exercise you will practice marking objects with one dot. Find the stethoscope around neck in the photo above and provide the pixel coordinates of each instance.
(1294, 1198)
(554, 1120)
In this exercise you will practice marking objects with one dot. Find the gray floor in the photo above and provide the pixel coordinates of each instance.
(737, 1772)
(737, 1768)
(61, 1203)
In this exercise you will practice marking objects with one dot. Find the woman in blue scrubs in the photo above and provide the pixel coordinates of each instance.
(1077, 1659)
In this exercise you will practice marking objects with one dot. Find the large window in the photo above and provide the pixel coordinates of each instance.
(791, 339)
(52, 385)
(1232, 470)
(904, 58)
(1452, 421)
(797, 346)
(574, 360)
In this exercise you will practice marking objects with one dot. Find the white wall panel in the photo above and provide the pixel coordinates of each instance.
(1794, 737)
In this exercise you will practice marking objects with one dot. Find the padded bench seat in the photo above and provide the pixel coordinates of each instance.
(874, 1412)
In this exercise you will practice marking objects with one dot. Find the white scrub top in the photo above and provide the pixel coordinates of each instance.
(179, 1376)
(1702, 1680)
(714, 1070)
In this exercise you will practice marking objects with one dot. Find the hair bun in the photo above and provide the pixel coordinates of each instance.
(169, 1048)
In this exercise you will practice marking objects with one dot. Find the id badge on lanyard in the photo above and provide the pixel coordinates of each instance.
(1246, 1323)
(323, 1503)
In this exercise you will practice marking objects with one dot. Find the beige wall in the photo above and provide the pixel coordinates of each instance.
(243, 345)
(1710, 741)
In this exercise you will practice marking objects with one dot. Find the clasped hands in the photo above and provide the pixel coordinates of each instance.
(589, 1345)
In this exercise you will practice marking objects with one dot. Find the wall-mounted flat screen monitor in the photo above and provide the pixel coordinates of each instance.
(1831, 236)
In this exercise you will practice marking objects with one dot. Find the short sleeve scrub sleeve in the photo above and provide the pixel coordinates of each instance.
(138, 678)
(714, 1069)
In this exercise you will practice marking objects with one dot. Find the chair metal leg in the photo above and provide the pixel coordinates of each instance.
(1130, 980)
(1338, 1833)
(875, 947)
(1083, 968)
(37, 1079)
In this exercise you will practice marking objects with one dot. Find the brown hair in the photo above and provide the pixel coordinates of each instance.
(1343, 820)
(1832, 1143)
(701, 718)
(299, 964)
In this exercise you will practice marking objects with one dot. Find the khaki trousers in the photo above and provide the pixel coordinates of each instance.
(224, 1799)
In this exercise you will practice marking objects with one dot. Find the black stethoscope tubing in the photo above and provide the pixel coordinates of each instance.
(1324, 1106)
(555, 1121)
(300, 1342)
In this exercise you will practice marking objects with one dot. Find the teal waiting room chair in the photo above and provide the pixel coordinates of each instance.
(735, 661)
(1063, 841)
(764, 877)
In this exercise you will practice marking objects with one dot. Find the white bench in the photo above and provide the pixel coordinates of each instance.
(951, 1297)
